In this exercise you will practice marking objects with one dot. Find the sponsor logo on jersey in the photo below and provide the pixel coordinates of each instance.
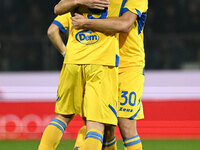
(87, 37)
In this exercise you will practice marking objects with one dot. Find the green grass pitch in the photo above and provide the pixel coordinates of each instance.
(147, 145)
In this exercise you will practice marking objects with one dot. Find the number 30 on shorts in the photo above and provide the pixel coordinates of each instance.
(128, 97)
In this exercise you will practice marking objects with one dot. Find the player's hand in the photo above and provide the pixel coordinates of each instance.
(95, 4)
(78, 21)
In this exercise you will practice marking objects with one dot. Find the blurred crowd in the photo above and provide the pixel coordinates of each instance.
(169, 16)
(25, 17)
(172, 35)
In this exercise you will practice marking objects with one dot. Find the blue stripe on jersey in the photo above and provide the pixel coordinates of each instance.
(62, 29)
(95, 135)
(117, 61)
(132, 143)
(143, 70)
(125, 10)
(59, 127)
(122, 8)
(139, 101)
(139, 13)
(58, 98)
(132, 117)
(114, 111)
(60, 123)
(141, 20)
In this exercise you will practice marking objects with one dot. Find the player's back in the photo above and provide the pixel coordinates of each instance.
(90, 47)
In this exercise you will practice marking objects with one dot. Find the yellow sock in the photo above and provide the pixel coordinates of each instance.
(110, 145)
(80, 137)
(133, 143)
(93, 140)
(52, 134)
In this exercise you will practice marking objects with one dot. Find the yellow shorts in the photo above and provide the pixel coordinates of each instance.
(131, 83)
(88, 90)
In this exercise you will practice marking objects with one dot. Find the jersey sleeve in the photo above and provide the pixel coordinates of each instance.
(62, 22)
(136, 6)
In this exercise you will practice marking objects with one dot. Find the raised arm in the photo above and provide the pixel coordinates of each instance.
(121, 24)
(65, 6)
(55, 38)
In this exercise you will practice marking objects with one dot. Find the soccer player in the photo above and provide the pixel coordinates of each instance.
(88, 82)
(131, 66)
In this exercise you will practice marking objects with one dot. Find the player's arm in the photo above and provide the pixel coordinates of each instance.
(65, 6)
(53, 33)
(121, 24)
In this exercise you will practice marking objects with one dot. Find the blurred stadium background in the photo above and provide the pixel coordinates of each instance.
(30, 67)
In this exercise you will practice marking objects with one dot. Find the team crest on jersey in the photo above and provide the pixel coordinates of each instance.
(87, 37)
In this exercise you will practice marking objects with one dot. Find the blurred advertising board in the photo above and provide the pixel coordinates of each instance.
(171, 102)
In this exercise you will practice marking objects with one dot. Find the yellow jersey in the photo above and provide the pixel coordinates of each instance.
(63, 22)
(131, 44)
(92, 47)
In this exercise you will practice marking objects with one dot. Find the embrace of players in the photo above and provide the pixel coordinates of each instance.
(102, 77)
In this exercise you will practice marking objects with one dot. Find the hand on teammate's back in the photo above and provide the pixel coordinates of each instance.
(95, 4)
